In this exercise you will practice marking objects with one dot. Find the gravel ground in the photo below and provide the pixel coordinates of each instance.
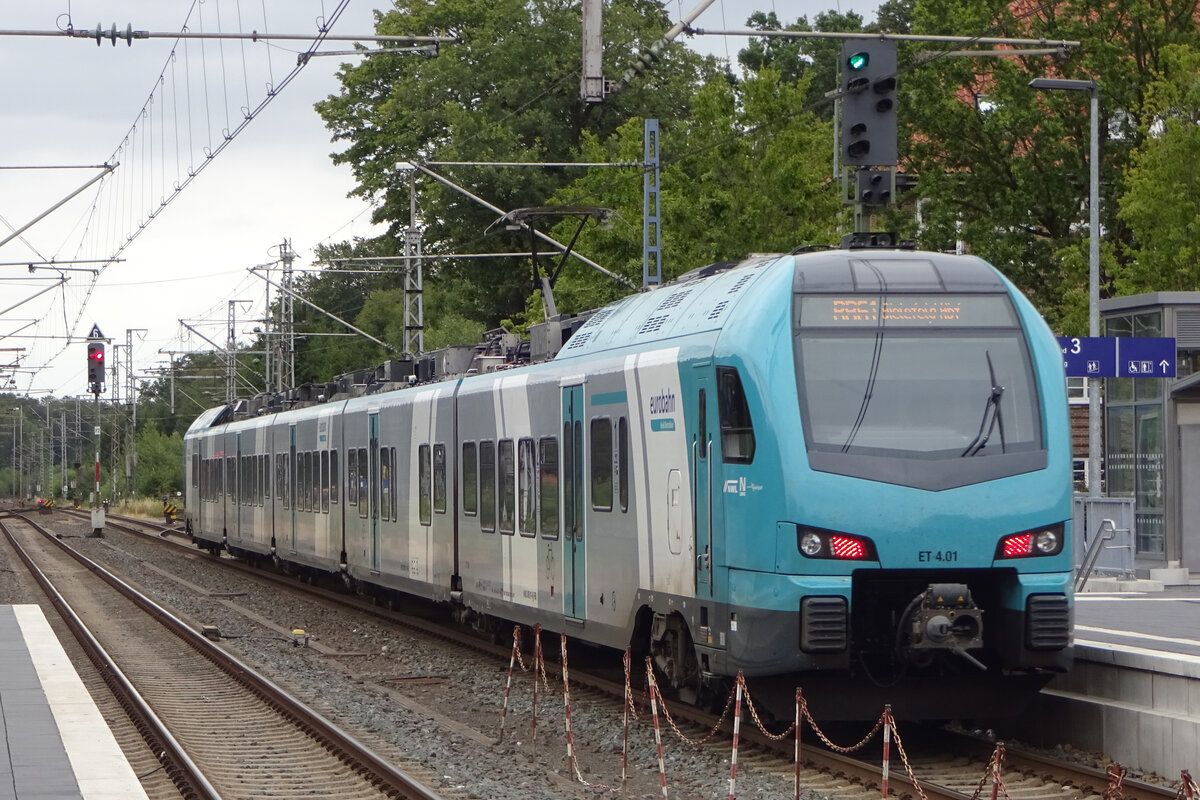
(430, 709)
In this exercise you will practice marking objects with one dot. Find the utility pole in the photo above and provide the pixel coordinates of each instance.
(414, 303)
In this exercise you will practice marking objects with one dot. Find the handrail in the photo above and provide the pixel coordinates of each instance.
(1095, 547)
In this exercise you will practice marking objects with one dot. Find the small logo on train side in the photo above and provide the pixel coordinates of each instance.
(740, 486)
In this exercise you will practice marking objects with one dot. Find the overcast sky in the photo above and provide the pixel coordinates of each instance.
(67, 102)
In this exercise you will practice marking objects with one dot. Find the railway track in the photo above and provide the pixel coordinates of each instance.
(224, 731)
(947, 766)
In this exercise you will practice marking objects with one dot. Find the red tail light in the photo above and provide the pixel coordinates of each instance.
(846, 547)
(1018, 545)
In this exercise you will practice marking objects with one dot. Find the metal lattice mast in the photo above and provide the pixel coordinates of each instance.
(231, 356)
(651, 211)
(287, 322)
(414, 307)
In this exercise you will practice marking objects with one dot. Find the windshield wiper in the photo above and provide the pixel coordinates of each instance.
(992, 408)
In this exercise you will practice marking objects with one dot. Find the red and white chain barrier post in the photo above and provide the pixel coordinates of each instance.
(567, 706)
(887, 743)
(625, 661)
(737, 726)
(799, 719)
(1187, 786)
(1116, 782)
(537, 666)
(654, 698)
(997, 761)
(512, 662)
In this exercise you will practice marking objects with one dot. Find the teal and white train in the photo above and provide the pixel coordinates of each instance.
(846, 470)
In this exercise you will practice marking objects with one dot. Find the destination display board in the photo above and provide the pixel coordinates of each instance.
(905, 311)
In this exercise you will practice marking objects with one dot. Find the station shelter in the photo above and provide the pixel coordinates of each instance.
(1152, 430)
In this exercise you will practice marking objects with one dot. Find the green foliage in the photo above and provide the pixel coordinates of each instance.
(160, 462)
(1161, 204)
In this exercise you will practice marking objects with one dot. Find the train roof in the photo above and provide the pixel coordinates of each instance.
(703, 300)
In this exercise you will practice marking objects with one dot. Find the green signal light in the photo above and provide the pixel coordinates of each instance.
(857, 61)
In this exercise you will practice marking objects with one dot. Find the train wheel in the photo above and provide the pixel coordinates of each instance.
(674, 657)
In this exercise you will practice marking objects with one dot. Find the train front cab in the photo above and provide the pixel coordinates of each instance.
(942, 575)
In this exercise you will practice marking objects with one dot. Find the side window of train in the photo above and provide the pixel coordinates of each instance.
(281, 478)
(385, 484)
(302, 481)
(737, 429)
(333, 476)
(487, 486)
(470, 480)
(395, 488)
(424, 508)
(363, 481)
(195, 470)
(324, 481)
(602, 461)
(623, 463)
(314, 481)
(439, 479)
(508, 486)
(548, 490)
(526, 491)
(351, 477)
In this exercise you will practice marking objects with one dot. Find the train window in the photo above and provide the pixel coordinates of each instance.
(602, 464)
(439, 479)
(264, 474)
(333, 476)
(424, 503)
(737, 429)
(385, 484)
(363, 469)
(568, 479)
(195, 470)
(548, 490)
(281, 478)
(487, 486)
(703, 416)
(304, 491)
(623, 463)
(351, 477)
(325, 481)
(231, 478)
(314, 481)
(470, 479)
(526, 490)
(508, 487)
(369, 480)
(395, 487)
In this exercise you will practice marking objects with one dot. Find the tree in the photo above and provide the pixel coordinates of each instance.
(506, 90)
(1005, 170)
(160, 463)
(1161, 204)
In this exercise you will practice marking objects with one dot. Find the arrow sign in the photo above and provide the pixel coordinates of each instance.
(95, 334)
(1145, 358)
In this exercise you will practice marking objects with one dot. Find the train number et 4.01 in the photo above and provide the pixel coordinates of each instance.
(944, 556)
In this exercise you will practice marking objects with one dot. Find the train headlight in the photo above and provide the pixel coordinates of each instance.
(1037, 542)
(818, 543)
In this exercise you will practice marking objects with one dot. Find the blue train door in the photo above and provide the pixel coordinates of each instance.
(375, 468)
(574, 561)
(702, 470)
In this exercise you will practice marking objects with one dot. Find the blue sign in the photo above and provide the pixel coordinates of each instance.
(1107, 357)
(1145, 358)
(1089, 357)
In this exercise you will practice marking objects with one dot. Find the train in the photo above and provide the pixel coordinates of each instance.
(846, 470)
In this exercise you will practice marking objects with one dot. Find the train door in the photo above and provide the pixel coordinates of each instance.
(702, 474)
(294, 496)
(574, 562)
(373, 513)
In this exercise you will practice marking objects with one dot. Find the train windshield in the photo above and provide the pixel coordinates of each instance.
(914, 377)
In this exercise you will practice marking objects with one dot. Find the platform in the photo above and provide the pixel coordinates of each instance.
(57, 744)
(1134, 693)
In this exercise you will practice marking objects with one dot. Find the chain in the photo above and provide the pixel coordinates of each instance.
(630, 703)
(1187, 787)
(671, 722)
(1116, 782)
(825, 739)
(993, 771)
(904, 756)
(754, 713)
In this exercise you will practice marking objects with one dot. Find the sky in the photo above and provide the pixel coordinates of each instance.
(164, 108)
